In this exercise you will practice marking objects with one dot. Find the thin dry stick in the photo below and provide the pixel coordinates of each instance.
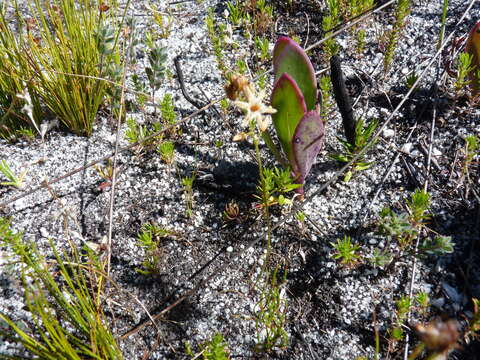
(114, 172)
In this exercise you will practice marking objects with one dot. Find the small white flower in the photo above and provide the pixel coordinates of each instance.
(255, 109)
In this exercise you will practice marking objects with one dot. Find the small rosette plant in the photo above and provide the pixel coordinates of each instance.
(297, 120)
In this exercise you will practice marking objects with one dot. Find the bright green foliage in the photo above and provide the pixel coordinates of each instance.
(346, 252)
(363, 134)
(261, 44)
(149, 239)
(401, 12)
(422, 300)
(403, 307)
(276, 183)
(63, 298)
(406, 227)
(418, 206)
(465, 67)
(168, 110)
(13, 179)
(329, 21)
(135, 132)
(167, 151)
(214, 349)
(326, 97)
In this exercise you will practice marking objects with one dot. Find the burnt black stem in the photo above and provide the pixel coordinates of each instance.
(343, 99)
(182, 84)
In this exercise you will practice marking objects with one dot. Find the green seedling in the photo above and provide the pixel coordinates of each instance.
(235, 13)
(362, 136)
(13, 179)
(297, 121)
(275, 184)
(473, 48)
(262, 44)
(326, 97)
(167, 151)
(403, 307)
(346, 252)
(465, 67)
(214, 349)
(149, 239)
(423, 301)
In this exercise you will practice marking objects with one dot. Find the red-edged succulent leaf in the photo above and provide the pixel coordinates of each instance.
(289, 102)
(306, 143)
(473, 48)
(290, 58)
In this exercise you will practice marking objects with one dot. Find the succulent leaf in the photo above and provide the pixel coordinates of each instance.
(289, 102)
(473, 48)
(307, 143)
(290, 58)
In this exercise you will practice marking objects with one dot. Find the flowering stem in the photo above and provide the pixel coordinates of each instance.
(265, 194)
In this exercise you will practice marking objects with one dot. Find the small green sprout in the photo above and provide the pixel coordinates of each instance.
(167, 151)
(346, 252)
(411, 79)
(422, 300)
(13, 179)
(363, 134)
(418, 207)
(157, 58)
(471, 150)
(187, 183)
(214, 349)
(149, 239)
(168, 110)
(465, 66)
(326, 97)
(262, 44)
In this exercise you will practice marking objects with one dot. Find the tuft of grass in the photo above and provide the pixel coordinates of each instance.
(19, 103)
(77, 44)
(63, 297)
